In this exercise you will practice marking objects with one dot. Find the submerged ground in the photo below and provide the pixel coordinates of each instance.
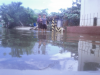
(33, 52)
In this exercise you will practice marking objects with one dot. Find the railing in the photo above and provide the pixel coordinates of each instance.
(90, 20)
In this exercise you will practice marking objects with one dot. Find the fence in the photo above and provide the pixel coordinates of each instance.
(90, 20)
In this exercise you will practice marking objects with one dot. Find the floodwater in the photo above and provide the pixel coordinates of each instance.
(40, 53)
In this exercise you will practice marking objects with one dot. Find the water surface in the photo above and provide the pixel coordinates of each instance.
(24, 51)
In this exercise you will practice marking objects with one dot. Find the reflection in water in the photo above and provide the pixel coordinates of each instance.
(42, 42)
(43, 48)
(89, 55)
(32, 50)
(91, 66)
(19, 41)
(36, 50)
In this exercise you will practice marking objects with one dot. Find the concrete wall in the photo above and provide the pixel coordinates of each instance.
(89, 10)
(85, 29)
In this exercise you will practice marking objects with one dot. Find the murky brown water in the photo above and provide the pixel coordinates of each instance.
(27, 51)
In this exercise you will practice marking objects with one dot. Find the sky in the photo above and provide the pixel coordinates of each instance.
(52, 5)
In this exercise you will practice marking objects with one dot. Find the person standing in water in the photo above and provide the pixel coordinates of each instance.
(44, 23)
(39, 21)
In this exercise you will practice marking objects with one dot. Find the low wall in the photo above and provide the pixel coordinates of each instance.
(84, 29)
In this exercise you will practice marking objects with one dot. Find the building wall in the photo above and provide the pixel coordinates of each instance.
(89, 10)
(84, 30)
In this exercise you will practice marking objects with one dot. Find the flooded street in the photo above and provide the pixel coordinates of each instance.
(27, 52)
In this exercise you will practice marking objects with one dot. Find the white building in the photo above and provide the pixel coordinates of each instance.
(90, 13)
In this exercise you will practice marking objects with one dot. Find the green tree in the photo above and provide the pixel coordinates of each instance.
(71, 14)
(14, 14)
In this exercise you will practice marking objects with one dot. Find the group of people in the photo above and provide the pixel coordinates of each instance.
(42, 23)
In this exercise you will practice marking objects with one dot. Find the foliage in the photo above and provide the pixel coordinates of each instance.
(14, 14)
(71, 14)
(41, 12)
